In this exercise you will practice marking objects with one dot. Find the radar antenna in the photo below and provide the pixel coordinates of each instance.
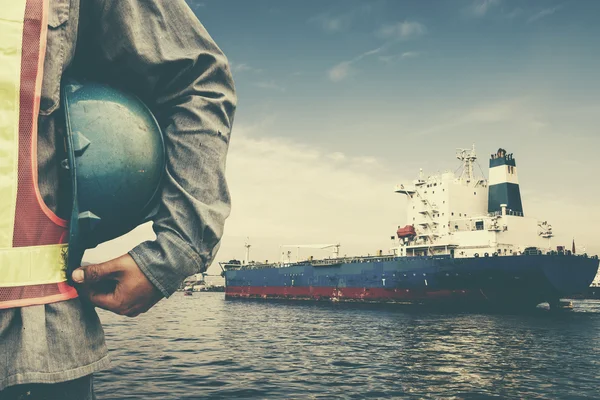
(468, 157)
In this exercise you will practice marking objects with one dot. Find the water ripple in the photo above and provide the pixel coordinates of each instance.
(206, 347)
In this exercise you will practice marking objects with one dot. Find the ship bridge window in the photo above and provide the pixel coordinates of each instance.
(479, 225)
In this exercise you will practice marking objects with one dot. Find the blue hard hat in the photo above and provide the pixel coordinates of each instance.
(116, 161)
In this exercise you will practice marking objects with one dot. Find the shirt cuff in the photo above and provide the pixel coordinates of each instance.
(167, 261)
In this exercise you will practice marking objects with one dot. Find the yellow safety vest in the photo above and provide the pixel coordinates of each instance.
(32, 238)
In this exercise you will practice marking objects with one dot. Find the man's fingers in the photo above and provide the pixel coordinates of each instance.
(106, 301)
(95, 273)
(133, 313)
(110, 302)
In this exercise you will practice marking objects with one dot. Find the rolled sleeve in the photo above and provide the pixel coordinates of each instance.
(162, 53)
(157, 258)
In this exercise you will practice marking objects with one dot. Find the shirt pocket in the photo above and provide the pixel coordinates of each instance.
(58, 17)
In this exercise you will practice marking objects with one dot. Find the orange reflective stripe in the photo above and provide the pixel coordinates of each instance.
(34, 223)
(35, 295)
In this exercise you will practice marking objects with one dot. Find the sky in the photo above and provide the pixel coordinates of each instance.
(340, 100)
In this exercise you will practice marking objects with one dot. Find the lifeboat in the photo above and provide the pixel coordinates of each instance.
(407, 232)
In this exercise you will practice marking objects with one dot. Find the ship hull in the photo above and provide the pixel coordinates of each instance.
(505, 282)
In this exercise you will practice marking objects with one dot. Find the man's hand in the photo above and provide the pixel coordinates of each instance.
(118, 286)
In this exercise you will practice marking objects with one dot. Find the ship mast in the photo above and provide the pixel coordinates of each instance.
(247, 256)
(468, 157)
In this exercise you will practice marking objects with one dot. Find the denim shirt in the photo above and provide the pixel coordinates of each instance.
(159, 51)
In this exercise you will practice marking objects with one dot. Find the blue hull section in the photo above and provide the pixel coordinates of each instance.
(505, 280)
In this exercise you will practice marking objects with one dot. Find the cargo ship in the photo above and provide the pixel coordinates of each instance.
(468, 243)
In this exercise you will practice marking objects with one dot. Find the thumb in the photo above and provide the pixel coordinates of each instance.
(94, 273)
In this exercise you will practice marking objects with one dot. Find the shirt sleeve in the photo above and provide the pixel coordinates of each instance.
(161, 52)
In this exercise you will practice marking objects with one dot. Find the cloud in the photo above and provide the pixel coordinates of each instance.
(243, 67)
(337, 156)
(542, 14)
(197, 5)
(516, 110)
(292, 192)
(395, 57)
(271, 85)
(331, 24)
(514, 13)
(344, 69)
(402, 30)
(340, 71)
(369, 53)
(388, 58)
(480, 8)
(340, 22)
(410, 54)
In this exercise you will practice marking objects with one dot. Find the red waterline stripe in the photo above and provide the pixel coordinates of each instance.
(311, 292)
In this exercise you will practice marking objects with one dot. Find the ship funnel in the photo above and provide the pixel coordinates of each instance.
(504, 192)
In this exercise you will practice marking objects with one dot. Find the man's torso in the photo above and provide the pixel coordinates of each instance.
(60, 341)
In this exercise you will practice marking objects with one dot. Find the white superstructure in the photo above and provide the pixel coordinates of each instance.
(468, 216)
